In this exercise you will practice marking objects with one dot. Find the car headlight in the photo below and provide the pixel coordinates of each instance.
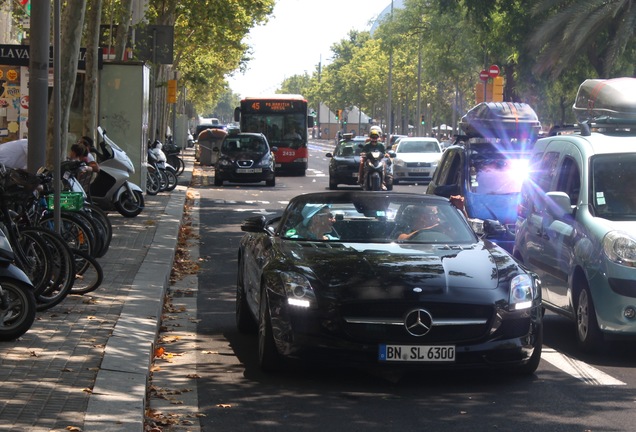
(298, 290)
(398, 162)
(263, 163)
(225, 162)
(522, 292)
(620, 247)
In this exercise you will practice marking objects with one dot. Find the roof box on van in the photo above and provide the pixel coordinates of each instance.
(504, 120)
(606, 100)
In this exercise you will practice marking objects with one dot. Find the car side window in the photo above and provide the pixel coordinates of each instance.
(449, 162)
(545, 170)
(569, 180)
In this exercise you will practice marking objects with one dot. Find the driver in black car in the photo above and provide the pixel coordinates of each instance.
(417, 219)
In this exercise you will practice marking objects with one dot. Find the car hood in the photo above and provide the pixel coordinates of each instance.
(347, 159)
(395, 270)
(490, 206)
(419, 157)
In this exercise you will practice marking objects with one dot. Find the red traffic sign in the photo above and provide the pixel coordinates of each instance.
(493, 71)
(483, 75)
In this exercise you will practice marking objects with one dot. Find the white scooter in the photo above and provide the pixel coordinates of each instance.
(111, 189)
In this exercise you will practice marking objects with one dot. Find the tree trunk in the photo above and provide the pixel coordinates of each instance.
(72, 21)
(125, 14)
(93, 21)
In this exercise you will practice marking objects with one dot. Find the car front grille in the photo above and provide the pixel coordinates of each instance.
(418, 164)
(245, 163)
(452, 323)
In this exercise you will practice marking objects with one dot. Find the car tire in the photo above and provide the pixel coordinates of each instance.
(333, 185)
(269, 359)
(244, 320)
(270, 183)
(533, 363)
(218, 181)
(588, 335)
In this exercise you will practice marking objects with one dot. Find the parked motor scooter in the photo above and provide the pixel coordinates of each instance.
(158, 158)
(17, 301)
(111, 189)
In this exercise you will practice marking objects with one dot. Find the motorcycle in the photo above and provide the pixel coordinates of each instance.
(158, 159)
(17, 300)
(377, 171)
(111, 189)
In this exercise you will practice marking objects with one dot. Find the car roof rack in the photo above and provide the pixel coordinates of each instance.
(506, 120)
(606, 106)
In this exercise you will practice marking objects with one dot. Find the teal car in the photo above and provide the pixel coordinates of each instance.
(576, 222)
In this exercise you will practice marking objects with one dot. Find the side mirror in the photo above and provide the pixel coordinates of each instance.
(493, 227)
(559, 204)
(254, 224)
(329, 155)
(391, 153)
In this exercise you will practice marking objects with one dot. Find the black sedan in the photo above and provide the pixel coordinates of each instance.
(245, 158)
(345, 162)
(384, 278)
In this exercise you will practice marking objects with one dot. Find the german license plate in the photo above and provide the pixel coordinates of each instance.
(248, 170)
(419, 170)
(416, 353)
(278, 165)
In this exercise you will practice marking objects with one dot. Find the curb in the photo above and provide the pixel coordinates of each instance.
(118, 398)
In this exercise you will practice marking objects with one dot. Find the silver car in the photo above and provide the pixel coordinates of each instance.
(416, 159)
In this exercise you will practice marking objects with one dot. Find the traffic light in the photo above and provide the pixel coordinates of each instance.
(338, 112)
(423, 119)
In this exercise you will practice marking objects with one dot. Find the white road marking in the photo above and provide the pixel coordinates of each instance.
(578, 369)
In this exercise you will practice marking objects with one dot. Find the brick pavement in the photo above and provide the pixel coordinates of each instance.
(48, 375)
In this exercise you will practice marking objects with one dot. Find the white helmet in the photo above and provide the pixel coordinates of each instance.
(375, 128)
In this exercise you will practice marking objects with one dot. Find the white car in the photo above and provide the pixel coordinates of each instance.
(416, 159)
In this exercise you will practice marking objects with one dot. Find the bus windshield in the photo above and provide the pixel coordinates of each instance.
(281, 130)
(283, 119)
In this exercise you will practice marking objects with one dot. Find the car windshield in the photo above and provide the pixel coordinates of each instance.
(418, 147)
(348, 149)
(243, 144)
(372, 218)
(497, 173)
(613, 193)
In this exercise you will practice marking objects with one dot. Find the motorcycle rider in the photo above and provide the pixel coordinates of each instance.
(373, 144)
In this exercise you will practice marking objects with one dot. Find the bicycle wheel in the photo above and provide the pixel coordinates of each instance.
(31, 256)
(61, 265)
(74, 231)
(96, 229)
(177, 163)
(104, 228)
(88, 273)
(103, 217)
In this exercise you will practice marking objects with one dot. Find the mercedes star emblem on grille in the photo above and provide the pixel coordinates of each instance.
(418, 322)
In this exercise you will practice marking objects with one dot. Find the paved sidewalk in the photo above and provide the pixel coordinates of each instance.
(84, 364)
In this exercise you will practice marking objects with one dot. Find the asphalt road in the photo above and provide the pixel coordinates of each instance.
(569, 392)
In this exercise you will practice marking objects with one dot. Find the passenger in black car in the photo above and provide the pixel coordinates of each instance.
(317, 224)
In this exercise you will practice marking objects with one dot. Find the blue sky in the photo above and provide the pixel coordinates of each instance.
(297, 37)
